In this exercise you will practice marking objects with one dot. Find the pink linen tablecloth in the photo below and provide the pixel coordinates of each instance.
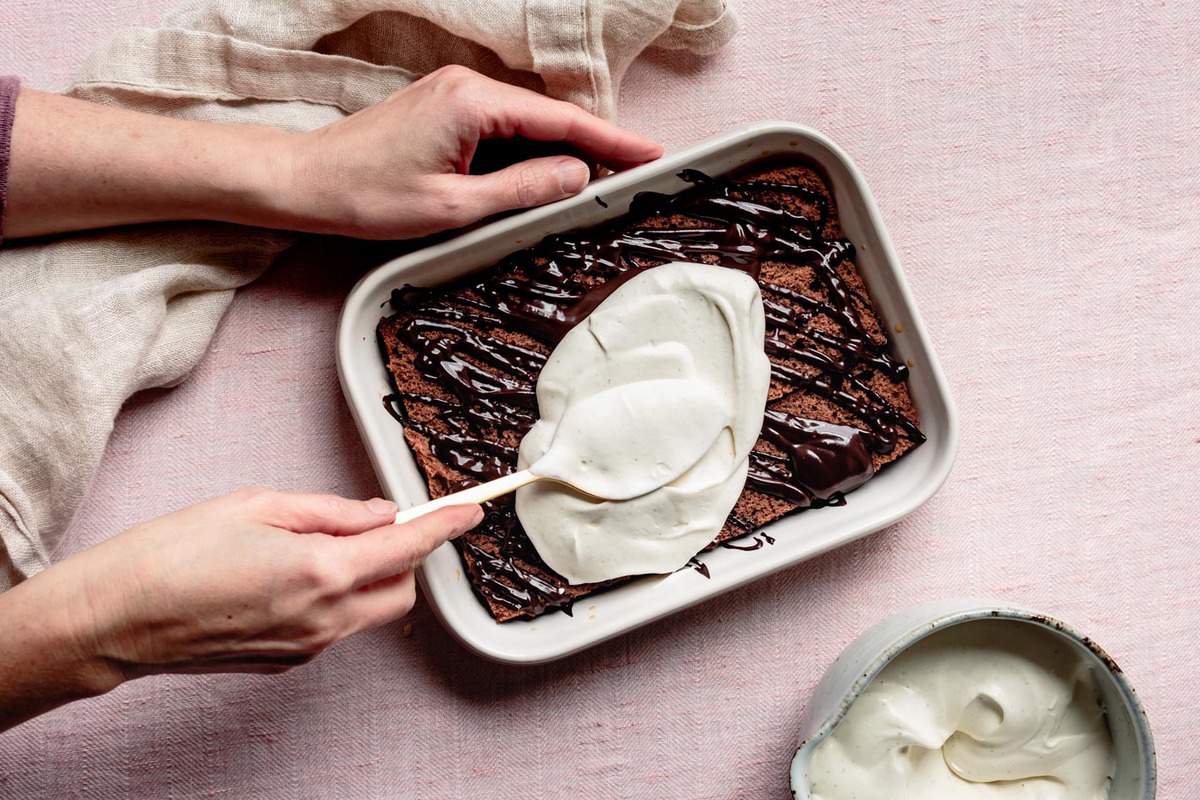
(1038, 167)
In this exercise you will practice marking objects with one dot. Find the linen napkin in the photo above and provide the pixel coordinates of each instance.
(89, 319)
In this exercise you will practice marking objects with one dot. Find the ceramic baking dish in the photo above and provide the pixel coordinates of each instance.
(892, 494)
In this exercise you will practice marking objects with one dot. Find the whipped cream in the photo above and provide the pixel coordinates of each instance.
(999, 709)
(650, 405)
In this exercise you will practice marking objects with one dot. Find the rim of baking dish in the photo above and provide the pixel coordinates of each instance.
(525, 647)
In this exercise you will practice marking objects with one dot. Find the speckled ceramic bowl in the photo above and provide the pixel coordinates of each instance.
(857, 666)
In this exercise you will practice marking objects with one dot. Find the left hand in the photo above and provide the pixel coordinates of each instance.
(398, 169)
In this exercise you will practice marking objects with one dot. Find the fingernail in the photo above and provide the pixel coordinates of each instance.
(572, 176)
(377, 505)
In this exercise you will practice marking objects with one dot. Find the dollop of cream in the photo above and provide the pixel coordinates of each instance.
(651, 404)
(993, 709)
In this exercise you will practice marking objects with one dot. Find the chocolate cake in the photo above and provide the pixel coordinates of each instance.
(464, 359)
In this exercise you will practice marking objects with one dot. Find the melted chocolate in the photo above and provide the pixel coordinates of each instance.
(816, 340)
(823, 461)
(497, 559)
(758, 542)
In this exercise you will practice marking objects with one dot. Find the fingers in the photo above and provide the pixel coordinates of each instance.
(260, 663)
(382, 601)
(512, 111)
(394, 549)
(311, 513)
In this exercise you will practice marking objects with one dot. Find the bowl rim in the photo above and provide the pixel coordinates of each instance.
(924, 620)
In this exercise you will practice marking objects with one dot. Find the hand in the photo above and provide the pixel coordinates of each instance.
(394, 170)
(398, 169)
(257, 581)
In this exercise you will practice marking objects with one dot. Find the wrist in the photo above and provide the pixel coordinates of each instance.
(300, 194)
(76, 630)
(247, 177)
(48, 655)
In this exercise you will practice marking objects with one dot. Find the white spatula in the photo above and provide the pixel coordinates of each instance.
(617, 444)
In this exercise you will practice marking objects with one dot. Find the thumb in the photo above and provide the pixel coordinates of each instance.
(393, 549)
(528, 183)
(308, 513)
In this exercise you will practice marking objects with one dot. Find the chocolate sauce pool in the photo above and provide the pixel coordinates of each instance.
(545, 291)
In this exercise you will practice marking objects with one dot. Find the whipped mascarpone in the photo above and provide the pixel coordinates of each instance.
(1000, 710)
(651, 405)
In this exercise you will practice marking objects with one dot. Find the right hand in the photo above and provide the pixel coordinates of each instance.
(256, 581)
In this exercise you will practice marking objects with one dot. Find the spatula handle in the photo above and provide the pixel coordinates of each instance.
(476, 494)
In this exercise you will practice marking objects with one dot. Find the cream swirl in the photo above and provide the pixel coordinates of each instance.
(991, 709)
(658, 397)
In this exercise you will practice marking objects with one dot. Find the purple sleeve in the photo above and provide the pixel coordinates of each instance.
(8, 103)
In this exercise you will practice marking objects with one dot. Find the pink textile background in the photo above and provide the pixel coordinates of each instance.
(1038, 167)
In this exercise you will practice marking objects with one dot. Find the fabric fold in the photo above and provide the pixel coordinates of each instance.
(10, 87)
(104, 314)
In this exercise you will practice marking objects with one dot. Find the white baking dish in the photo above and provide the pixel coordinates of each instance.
(1135, 776)
(889, 496)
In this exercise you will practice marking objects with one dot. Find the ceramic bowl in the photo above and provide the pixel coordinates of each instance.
(857, 666)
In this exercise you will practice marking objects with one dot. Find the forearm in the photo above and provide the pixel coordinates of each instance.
(45, 658)
(78, 165)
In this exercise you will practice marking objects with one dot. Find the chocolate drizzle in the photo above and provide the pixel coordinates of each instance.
(756, 542)
(823, 461)
(500, 571)
(478, 400)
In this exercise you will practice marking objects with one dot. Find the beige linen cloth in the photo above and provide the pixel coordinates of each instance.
(87, 320)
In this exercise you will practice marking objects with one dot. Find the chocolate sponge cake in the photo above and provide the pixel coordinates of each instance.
(465, 358)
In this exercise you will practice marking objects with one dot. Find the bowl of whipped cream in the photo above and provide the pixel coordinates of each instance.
(966, 699)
